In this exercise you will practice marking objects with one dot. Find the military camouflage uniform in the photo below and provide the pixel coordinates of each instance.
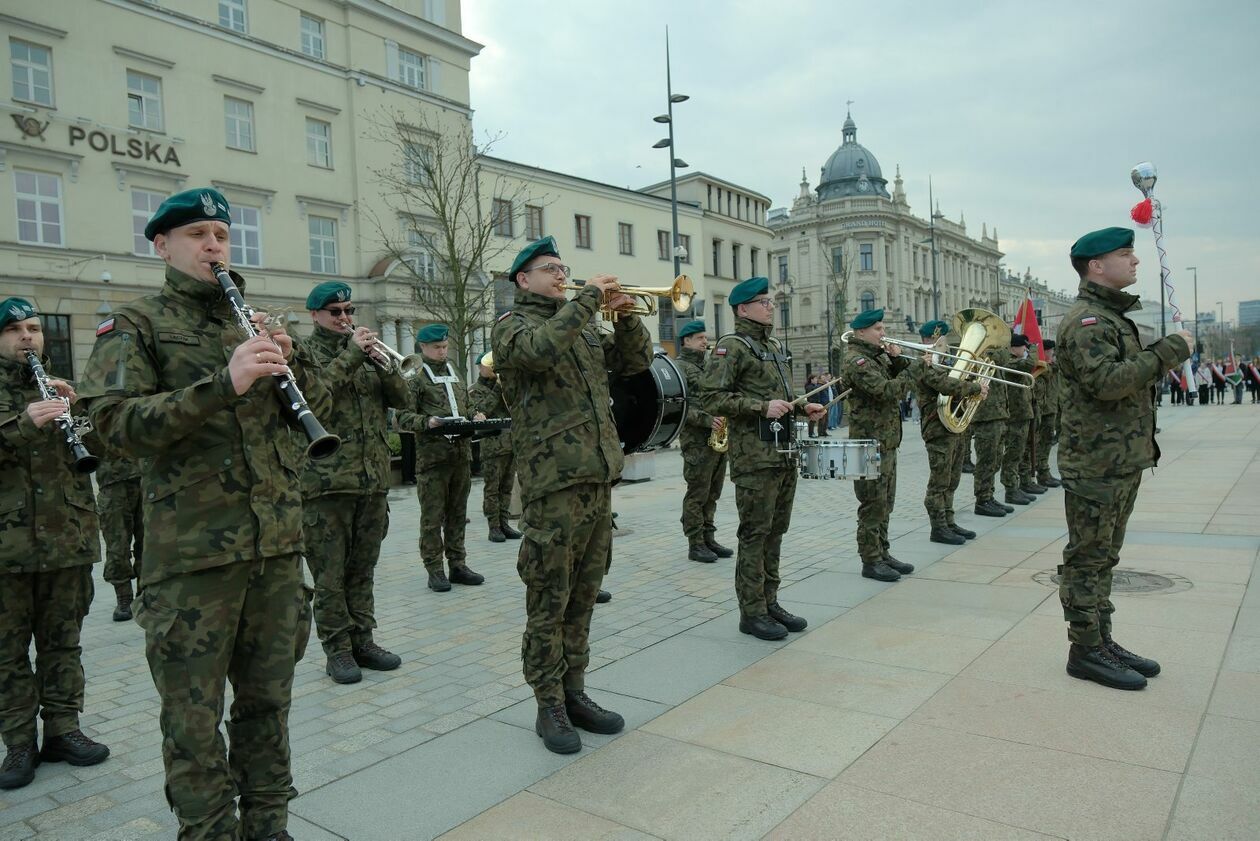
(1107, 440)
(1046, 401)
(747, 371)
(1018, 426)
(345, 512)
(553, 367)
(988, 431)
(443, 467)
(704, 470)
(497, 464)
(118, 504)
(48, 543)
(944, 448)
(222, 593)
(879, 381)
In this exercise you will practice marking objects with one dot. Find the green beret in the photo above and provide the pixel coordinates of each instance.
(930, 327)
(15, 309)
(328, 292)
(432, 333)
(866, 319)
(1047, 344)
(691, 328)
(545, 247)
(1019, 340)
(189, 206)
(1097, 243)
(746, 290)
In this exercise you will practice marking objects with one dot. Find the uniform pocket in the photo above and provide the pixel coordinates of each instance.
(165, 645)
(304, 623)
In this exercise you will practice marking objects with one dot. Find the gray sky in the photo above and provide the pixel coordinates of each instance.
(1027, 116)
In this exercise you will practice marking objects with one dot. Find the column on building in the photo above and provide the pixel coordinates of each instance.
(407, 337)
(389, 335)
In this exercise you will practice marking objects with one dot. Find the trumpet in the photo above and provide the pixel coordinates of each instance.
(680, 295)
(977, 368)
(406, 366)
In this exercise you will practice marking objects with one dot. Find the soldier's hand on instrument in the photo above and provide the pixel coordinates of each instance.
(256, 357)
(64, 389)
(606, 284)
(42, 411)
(778, 408)
(434, 423)
(984, 389)
(893, 350)
(716, 423)
(815, 411)
(480, 416)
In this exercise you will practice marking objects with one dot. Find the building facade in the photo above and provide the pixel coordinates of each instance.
(1249, 313)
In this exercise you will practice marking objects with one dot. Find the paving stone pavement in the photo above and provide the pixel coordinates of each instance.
(894, 693)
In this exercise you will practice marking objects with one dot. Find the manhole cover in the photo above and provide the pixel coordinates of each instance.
(1130, 581)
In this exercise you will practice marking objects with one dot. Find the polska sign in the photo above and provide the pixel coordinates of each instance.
(132, 147)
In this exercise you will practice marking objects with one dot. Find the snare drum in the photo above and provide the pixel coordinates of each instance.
(854, 459)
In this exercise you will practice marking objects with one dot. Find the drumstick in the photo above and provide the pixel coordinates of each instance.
(833, 401)
(800, 401)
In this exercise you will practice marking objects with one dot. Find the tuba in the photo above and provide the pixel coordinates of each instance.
(719, 439)
(981, 332)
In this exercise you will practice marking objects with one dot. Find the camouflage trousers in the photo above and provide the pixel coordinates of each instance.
(1097, 515)
(443, 490)
(563, 557)
(990, 441)
(1016, 453)
(247, 623)
(1046, 428)
(48, 606)
(343, 534)
(764, 502)
(876, 498)
(967, 435)
(118, 506)
(497, 473)
(945, 458)
(705, 474)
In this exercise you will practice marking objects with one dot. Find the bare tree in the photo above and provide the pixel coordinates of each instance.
(837, 274)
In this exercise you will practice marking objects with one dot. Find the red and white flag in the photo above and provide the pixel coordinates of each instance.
(1026, 324)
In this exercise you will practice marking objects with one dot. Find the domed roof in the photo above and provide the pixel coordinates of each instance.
(851, 170)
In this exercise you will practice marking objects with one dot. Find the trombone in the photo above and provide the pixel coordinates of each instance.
(979, 368)
(680, 295)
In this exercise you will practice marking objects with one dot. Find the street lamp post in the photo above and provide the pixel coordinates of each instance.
(1195, 269)
(668, 143)
(936, 289)
(1220, 324)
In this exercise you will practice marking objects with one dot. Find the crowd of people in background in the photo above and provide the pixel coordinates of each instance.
(1213, 380)
(824, 397)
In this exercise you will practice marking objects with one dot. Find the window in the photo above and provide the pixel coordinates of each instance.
(807, 310)
(684, 242)
(837, 261)
(246, 235)
(57, 345)
(752, 253)
(867, 256)
(411, 69)
(416, 159)
(868, 300)
(785, 311)
(665, 320)
(717, 257)
(318, 143)
(238, 117)
(533, 222)
(323, 234)
(312, 36)
(32, 72)
(501, 212)
(625, 238)
(783, 268)
(887, 257)
(144, 203)
(662, 244)
(735, 260)
(420, 256)
(582, 230)
(232, 15)
(38, 208)
(144, 101)
(719, 304)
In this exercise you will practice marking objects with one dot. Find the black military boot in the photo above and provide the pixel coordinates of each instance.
(556, 730)
(1009, 509)
(762, 627)
(74, 748)
(342, 668)
(1049, 480)
(461, 574)
(122, 612)
(282, 835)
(700, 552)
(496, 534)
(369, 655)
(944, 534)
(590, 716)
(19, 766)
(1014, 496)
(904, 569)
(966, 534)
(990, 508)
(1100, 666)
(1142, 665)
(604, 597)
(1031, 487)
(438, 582)
(509, 532)
(796, 624)
(880, 572)
(717, 548)
(968, 467)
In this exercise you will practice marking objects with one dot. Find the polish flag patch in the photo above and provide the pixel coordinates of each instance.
(1088, 320)
(106, 326)
(720, 352)
(861, 360)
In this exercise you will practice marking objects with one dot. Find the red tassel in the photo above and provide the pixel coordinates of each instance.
(1143, 213)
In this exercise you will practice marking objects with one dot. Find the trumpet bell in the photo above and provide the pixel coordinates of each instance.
(644, 298)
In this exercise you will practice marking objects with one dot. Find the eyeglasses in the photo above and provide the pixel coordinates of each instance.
(556, 269)
(338, 312)
(765, 302)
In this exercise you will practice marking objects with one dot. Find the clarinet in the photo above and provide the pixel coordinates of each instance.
(84, 462)
(322, 442)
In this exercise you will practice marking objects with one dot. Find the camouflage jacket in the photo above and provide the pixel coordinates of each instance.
(115, 468)
(220, 473)
(361, 392)
(747, 371)
(487, 397)
(1107, 415)
(1046, 392)
(47, 511)
(698, 424)
(553, 367)
(879, 383)
(1019, 401)
(993, 408)
(429, 400)
(931, 382)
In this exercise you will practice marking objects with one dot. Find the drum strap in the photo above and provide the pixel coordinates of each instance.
(765, 356)
(445, 382)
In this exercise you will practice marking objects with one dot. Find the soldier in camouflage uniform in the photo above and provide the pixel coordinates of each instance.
(345, 512)
(498, 467)
(48, 544)
(1046, 402)
(1108, 439)
(704, 470)
(1019, 419)
(747, 382)
(988, 432)
(173, 382)
(554, 366)
(443, 465)
(944, 448)
(118, 505)
(879, 378)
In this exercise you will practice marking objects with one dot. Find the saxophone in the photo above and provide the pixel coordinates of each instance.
(719, 440)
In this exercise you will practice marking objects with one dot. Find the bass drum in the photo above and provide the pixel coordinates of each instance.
(649, 407)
